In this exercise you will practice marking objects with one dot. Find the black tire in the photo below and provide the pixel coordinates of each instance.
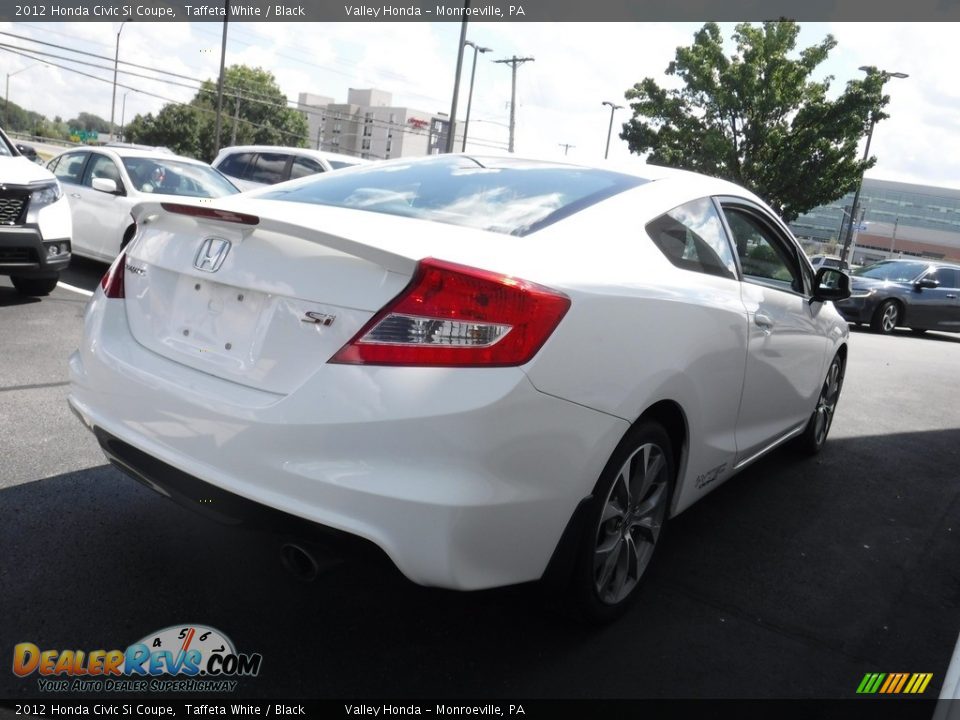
(633, 494)
(886, 318)
(818, 427)
(37, 287)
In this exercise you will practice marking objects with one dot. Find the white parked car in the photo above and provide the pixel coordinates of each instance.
(34, 223)
(104, 183)
(495, 370)
(255, 166)
(831, 261)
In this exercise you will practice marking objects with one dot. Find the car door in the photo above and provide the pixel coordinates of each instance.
(100, 218)
(943, 303)
(68, 169)
(787, 337)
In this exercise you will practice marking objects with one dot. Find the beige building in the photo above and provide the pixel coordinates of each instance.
(370, 126)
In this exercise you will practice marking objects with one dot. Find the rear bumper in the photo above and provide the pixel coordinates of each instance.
(465, 478)
(23, 251)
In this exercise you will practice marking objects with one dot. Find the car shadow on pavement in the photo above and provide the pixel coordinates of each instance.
(9, 297)
(791, 580)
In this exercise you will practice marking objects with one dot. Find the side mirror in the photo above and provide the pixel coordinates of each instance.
(927, 283)
(106, 185)
(831, 284)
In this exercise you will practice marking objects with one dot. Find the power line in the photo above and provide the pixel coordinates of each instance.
(248, 95)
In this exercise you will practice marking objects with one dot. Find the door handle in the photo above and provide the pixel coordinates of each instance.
(763, 320)
(952, 297)
(75, 195)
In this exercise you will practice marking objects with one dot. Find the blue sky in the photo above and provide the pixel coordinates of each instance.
(577, 66)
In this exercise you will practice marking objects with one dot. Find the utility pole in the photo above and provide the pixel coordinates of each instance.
(566, 147)
(223, 56)
(456, 80)
(236, 117)
(513, 63)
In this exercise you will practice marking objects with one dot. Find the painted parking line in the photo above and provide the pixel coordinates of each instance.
(71, 288)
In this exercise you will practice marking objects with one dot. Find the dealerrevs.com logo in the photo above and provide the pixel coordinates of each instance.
(180, 658)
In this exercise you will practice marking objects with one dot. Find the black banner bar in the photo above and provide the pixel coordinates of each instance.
(479, 10)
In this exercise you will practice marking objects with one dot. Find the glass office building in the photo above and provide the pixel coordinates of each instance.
(903, 205)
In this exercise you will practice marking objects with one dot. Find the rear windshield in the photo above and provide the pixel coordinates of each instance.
(498, 194)
(892, 271)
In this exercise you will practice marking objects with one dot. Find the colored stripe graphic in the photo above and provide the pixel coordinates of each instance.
(894, 683)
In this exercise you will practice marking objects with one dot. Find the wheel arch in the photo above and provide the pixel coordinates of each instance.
(670, 416)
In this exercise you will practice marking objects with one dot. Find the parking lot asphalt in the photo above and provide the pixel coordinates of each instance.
(792, 580)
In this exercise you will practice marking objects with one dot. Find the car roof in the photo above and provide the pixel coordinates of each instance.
(308, 152)
(126, 152)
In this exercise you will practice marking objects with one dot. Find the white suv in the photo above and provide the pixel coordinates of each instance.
(35, 225)
(256, 166)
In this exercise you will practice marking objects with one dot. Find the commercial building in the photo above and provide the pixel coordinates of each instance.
(370, 126)
(898, 220)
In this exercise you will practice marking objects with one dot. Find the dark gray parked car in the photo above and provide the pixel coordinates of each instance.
(919, 294)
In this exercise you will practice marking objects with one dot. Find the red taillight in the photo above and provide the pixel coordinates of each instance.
(454, 315)
(211, 213)
(112, 280)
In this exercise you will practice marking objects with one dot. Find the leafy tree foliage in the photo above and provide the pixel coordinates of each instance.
(756, 118)
(90, 122)
(255, 111)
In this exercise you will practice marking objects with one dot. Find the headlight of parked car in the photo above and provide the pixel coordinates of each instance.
(862, 293)
(46, 194)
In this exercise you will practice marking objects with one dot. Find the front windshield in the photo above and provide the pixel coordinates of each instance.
(892, 271)
(174, 177)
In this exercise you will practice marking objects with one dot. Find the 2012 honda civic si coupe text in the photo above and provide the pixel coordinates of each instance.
(492, 369)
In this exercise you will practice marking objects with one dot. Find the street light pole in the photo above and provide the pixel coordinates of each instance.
(466, 123)
(6, 97)
(116, 61)
(613, 109)
(123, 113)
(866, 154)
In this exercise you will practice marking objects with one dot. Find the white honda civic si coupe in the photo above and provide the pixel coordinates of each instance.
(495, 370)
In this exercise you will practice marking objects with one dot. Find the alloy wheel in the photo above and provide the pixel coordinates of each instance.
(630, 523)
(827, 404)
(890, 316)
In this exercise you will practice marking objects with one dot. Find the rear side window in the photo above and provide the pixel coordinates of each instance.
(947, 277)
(235, 164)
(497, 194)
(268, 168)
(303, 166)
(692, 237)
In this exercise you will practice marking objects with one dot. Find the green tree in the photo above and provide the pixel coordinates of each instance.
(89, 122)
(756, 118)
(255, 111)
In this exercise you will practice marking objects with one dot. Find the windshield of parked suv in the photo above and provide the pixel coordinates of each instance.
(892, 271)
(173, 177)
(503, 195)
(5, 149)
